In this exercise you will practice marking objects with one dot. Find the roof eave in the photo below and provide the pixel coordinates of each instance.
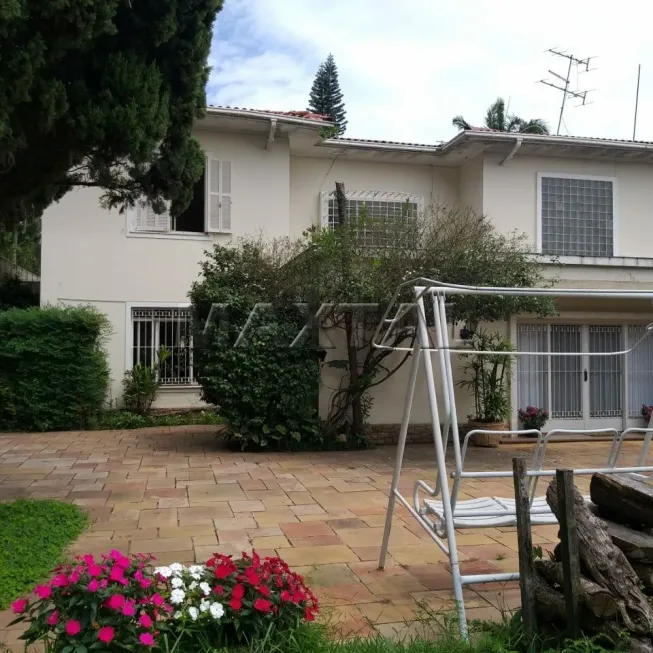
(262, 115)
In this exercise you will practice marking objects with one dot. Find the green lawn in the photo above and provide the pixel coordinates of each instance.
(33, 535)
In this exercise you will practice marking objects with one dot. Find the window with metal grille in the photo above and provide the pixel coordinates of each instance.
(381, 214)
(154, 328)
(577, 216)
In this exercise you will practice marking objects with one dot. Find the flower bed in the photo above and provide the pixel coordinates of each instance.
(123, 603)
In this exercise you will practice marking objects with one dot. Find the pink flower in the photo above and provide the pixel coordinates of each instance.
(144, 583)
(19, 606)
(53, 619)
(114, 554)
(89, 559)
(43, 591)
(116, 601)
(60, 580)
(145, 621)
(93, 585)
(73, 578)
(73, 627)
(157, 599)
(106, 634)
(146, 639)
(129, 609)
(117, 574)
(94, 571)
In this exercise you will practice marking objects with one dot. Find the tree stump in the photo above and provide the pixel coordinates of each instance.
(623, 499)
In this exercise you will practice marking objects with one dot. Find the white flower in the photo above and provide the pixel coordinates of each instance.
(216, 610)
(206, 588)
(196, 570)
(193, 612)
(204, 605)
(177, 583)
(177, 615)
(166, 572)
(177, 596)
(192, 586)
(176, 567)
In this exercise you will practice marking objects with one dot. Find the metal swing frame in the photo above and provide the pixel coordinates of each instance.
(484, 512)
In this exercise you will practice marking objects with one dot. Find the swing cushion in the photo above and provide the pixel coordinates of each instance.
(469, 514)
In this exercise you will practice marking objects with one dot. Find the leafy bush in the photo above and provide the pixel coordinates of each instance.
(53, 369)
(112, 604)
(231, 601)
(15, 293)
(141, 383)
(33, 537)
(266, 390)
(117, 420)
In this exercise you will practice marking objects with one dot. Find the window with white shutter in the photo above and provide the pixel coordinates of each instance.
(145, 219)
(218, 205)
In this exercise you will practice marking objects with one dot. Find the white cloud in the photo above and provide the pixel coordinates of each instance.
(408, 66)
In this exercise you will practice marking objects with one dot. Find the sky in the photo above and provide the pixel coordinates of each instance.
(407, 67)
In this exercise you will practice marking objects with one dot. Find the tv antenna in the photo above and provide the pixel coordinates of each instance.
(582, 66)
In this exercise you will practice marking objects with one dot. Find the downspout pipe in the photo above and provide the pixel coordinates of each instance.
(273, 128)
(515, 149)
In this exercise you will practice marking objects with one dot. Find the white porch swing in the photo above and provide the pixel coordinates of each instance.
(440, 513)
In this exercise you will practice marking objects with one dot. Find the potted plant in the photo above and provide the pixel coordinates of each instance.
(647, 411)
(533, 417)
(487, 377)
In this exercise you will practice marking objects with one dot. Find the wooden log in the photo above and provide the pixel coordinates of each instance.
(623, 499)
(549, 602)
(637, 545)
(595, 598)
(607, 565)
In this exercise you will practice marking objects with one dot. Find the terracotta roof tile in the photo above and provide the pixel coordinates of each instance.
(307, 115)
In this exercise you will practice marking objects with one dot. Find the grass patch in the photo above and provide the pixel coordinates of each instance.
(33, 536)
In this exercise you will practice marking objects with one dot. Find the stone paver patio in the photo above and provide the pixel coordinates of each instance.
(178, 494)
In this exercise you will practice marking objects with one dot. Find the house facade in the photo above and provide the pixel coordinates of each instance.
(585, 202)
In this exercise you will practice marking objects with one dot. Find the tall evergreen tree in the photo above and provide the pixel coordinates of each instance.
(326, 96)
(101, 93)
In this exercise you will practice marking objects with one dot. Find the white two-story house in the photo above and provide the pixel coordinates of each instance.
(588, 202)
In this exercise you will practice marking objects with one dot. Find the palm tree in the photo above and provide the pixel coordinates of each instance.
(496, 119)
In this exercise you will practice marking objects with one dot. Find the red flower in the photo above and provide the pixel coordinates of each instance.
(262, 605)
(218, 589)
(222, 571)
(73, 627)
(252, 577)
(106, 634)
(238, 591)
(53, 619)
(43, 591)
(235, 604)
(262, 589)
(116, 601)
(145, 621)
(19, 606)
(285, 596)
(146, 639)
(309, 615)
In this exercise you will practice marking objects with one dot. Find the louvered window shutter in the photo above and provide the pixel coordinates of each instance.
(218, 205)
(145, 219)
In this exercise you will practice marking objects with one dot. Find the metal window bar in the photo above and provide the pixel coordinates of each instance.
(421, 351)
(165, 327)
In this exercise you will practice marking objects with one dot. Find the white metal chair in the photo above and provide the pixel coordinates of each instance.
(440, 517)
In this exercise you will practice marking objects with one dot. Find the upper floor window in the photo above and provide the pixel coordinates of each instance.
(381, 213)
(209, 210)
(577, 216)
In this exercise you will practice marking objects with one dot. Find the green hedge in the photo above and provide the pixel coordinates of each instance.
(53, 368)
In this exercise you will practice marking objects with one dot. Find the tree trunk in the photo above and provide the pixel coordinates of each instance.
(607, 565)
(623, 499)
(596, 599)
(358, 425)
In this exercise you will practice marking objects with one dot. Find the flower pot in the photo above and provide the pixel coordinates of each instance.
(487, 439)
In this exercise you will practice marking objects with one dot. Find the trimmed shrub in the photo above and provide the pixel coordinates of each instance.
(265, 390)
(53, 368)
(15, 293)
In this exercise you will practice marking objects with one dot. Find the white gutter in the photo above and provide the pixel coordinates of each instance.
(273, 128)
(512, 152)
(378, 147)
(262, 115)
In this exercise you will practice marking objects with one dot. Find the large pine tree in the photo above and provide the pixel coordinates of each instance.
(326, 96)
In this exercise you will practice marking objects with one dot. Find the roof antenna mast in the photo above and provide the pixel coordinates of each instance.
(562, 83)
